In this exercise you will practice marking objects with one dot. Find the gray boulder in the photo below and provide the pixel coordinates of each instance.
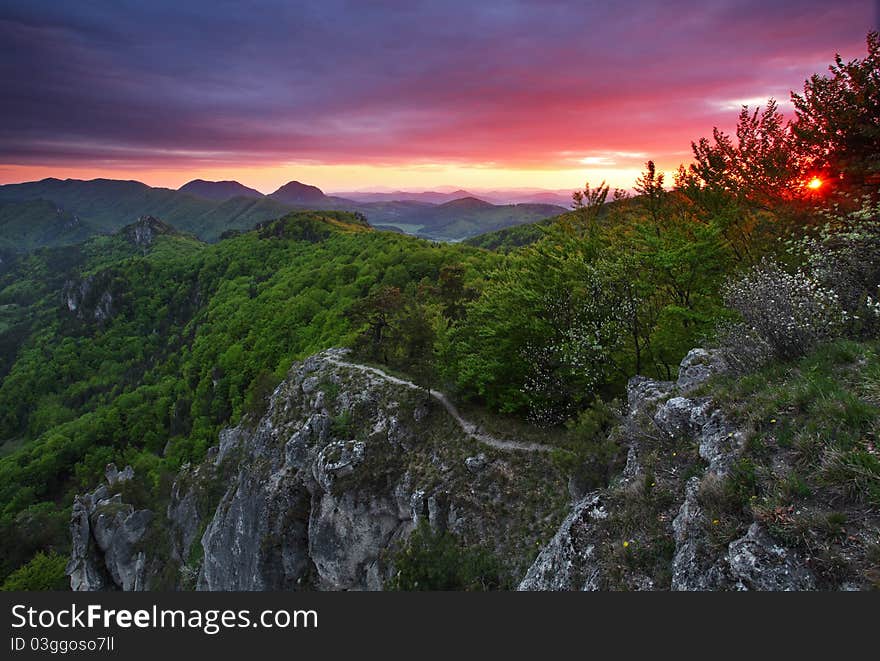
(757, 562)
(698, 366)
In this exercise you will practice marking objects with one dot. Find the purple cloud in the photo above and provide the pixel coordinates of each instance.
(511, 83)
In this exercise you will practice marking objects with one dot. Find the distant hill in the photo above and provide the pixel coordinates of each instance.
(298, 193)
(237, 213)
(499, 197)
(549, 197)
(54, 212)
(509, 238)
(427, 197)
(468, 217)
(104, 206)
(32, 224)
(108, 205)
(517, 236)
(560, 198)
(466, 204)
(218, 190)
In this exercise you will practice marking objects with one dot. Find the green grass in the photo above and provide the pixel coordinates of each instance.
(813, 441)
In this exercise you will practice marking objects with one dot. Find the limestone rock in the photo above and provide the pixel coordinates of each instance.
(757, 562)
(698, 366)
(319, 493)
(109, 549)
(568, 561)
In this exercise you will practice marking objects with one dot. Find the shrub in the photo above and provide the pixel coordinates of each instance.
(791, 313)
(589, 452)
(743, 347)
(432, 560)
(258, 394)
(45, 571)
(845, 257)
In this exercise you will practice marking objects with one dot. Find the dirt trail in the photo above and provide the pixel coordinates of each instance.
(467, 427)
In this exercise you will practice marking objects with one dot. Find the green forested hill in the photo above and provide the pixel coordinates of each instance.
(34, 224)
(108, 204)
(138, 353)
(55, 212)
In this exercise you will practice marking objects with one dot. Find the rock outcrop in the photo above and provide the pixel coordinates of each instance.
(108, 550)
(89, 298)
(321, 491)
(143, 232)
(569, 560)
(602, 544)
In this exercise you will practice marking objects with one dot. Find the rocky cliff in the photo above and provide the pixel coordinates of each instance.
(320, 491)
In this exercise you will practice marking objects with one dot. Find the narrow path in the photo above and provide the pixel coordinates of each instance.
(467, 427)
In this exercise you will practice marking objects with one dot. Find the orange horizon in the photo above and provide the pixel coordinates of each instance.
(356, 177)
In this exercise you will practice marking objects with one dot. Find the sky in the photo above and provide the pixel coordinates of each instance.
(395, 95)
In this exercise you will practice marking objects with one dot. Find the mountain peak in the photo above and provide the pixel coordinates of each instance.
(143, 231)
(219, 191)
(467, 203)
(295, 192)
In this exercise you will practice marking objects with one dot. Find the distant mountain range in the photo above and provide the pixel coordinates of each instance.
(428, 197)
(497, 197)
(60, 212)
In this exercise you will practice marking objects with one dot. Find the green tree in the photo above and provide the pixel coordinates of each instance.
(375, 315)
(652, 194)
(416, 338)
(746, 186)
(838, 121)
(431, 560)
(453, 292)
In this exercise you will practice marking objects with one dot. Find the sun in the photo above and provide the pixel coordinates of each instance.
(815, 183)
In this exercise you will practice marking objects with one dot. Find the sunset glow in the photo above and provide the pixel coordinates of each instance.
(815, 183)
(505, 95)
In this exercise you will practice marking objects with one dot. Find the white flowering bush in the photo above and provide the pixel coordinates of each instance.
(845, 256)
(567, 366)
(788, 312)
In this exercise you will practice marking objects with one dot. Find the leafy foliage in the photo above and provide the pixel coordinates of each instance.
(45, 571)
(838, 125)
(432, 560)
(791, 313)
(199, 335)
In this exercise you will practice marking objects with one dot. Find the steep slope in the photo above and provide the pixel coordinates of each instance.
(219, 191)
(115, 351)
(324, 489)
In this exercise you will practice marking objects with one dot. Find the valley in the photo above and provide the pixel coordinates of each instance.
(53, 212)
